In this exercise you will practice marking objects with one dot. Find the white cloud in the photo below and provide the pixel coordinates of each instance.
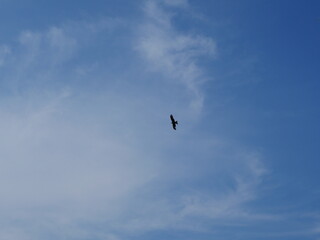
(180, 3)
(172, 53)
(54, 45)
(4, 52)
(60, 164)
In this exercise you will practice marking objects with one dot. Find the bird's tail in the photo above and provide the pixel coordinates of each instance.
(176, 122)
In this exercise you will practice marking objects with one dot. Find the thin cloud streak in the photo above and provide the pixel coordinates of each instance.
(174, 54)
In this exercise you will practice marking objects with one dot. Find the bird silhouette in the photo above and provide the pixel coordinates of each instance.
(173, 122)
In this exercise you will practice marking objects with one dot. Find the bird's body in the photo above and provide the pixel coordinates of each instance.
(173, 122)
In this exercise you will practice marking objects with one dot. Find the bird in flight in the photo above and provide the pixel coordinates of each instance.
(173, 122)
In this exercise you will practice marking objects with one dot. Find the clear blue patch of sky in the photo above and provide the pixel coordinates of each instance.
(272, 101)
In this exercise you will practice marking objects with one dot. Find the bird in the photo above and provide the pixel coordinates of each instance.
(173, 122)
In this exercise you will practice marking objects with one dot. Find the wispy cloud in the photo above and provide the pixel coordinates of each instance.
(4, 52)
(194, 208)
(172, 53)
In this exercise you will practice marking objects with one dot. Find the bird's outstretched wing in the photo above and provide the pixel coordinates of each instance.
(172, 119)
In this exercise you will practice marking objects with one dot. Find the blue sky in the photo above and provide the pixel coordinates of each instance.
(87, 150)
